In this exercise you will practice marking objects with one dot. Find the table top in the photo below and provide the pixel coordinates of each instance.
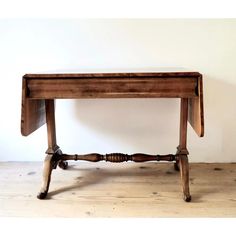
(161, 82)
(99, 73)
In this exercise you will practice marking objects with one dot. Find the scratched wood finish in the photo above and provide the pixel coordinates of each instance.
(33, 110)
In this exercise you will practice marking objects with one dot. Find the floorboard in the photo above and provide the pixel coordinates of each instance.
(117, 190)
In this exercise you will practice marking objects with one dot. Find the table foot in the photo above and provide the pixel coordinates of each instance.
(63, 164)
(47, 171)
(42, 195)
(184, 173)
(187, 198)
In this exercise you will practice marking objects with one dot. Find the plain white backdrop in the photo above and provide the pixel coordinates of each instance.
(120, 125)
(125, 8)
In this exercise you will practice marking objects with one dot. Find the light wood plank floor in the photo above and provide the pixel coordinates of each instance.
(117, 190)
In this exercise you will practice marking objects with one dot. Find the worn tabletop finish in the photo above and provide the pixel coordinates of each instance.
(40, 90)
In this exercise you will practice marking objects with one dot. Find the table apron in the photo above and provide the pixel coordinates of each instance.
(46, 88)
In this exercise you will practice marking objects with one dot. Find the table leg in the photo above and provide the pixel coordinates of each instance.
(184, 173)
(53, 152)
(182, 152)
(47, 171)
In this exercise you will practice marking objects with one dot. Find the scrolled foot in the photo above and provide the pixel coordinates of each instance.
(187, 198)
(184, 172)
(63, 165)
(47, 170)
(42, 195)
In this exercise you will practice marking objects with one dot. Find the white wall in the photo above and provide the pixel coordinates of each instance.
(120, 125)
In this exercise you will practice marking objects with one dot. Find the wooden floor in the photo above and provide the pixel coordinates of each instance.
(117, 190)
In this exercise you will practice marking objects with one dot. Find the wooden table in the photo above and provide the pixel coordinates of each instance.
(39, 92)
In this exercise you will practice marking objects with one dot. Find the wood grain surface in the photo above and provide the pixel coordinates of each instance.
(118, 190)
(196, 110)
(38, 87)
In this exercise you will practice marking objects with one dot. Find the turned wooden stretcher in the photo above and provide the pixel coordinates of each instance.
(39, 92)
